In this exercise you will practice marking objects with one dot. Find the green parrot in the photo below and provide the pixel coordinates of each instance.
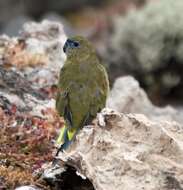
(82, 88)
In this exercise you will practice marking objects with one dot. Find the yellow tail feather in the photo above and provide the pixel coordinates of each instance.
(60, 139)
(71, 133)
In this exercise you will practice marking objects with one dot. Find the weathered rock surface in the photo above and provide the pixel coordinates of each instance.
(129, 152)
(35, 58)
(126, 96)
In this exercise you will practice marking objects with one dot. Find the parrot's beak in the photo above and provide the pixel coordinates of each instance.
(65, 46)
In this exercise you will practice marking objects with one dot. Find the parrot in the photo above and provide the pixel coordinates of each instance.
(83, 88)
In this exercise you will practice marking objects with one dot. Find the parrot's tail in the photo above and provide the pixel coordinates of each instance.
(65, 138)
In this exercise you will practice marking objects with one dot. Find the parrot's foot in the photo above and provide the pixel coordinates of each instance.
(59, 150)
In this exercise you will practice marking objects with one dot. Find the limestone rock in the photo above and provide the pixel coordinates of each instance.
(31, 63)
(130, 152)
(37, 52)
(126, 96)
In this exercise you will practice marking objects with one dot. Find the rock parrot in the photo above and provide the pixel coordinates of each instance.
(82, 88)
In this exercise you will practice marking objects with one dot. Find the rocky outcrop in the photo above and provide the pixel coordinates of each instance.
(127, 96)
(127, 152)
(30, 64)
(137, 146)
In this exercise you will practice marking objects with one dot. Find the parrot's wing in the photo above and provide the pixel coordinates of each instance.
(87, 119)
(61, 102)
(97, 105)
(68, 114)
(63, 107)
(101, 91)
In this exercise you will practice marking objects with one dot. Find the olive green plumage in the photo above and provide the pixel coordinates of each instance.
(82, 88)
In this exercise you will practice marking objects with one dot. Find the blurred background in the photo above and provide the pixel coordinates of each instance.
(143, 38)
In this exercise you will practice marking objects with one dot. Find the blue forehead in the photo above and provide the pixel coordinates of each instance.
(70, 44)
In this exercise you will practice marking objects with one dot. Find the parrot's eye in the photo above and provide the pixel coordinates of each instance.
(72, 43)
(76, 44)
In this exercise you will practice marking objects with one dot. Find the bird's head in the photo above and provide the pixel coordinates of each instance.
(78, 47)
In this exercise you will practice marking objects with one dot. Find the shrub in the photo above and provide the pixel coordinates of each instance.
(148, 43)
